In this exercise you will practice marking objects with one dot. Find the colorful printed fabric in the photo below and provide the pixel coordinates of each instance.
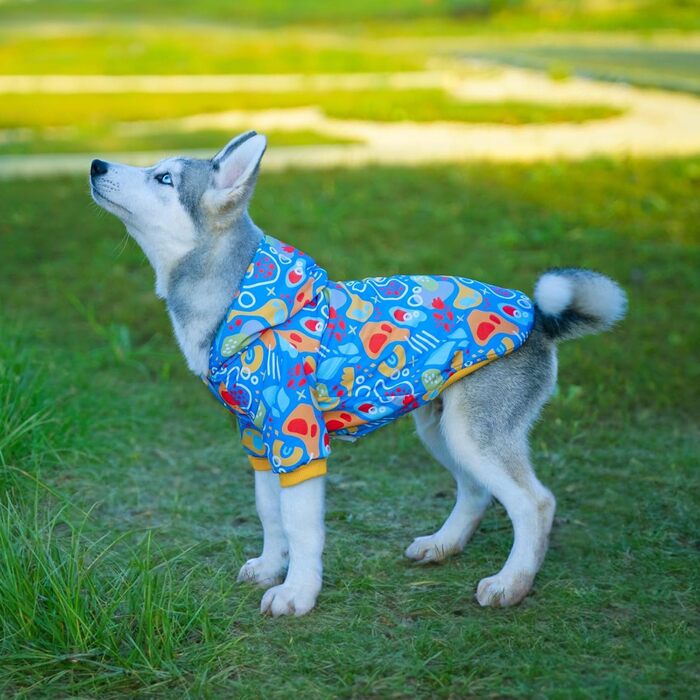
(299, 357)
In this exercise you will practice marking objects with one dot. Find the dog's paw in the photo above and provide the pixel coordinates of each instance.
(502, 590)
(431, 549)
(289, 599)
(262, 572)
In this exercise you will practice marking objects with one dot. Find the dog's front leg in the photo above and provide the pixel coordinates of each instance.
(268, 569)
(302, 509)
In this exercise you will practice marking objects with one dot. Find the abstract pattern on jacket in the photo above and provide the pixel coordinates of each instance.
(299, 357)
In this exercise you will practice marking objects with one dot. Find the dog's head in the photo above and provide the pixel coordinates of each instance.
(179, 203)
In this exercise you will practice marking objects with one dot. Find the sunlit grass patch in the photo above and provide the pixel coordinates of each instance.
(435, 105)
(155, 49)
(424, 105)
(272, 12)
(408, 16)
(111, 139)
(648, 66)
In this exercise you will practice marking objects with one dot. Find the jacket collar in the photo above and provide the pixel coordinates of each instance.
(279, 281)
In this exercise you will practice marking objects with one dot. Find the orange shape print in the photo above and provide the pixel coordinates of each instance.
(302, 425)
(485, 324)
(376, 335)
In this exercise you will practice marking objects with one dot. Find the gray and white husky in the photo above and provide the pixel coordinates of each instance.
(191, 219)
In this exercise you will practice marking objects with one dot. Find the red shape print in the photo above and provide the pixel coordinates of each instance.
(294, 276)
(377, 341)
(228, 398)
(484, 330)
(298, 426)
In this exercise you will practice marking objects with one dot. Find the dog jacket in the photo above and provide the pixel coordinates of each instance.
(298, 358)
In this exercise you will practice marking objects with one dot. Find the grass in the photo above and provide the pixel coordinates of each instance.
(435, 105)
(644, 65)
(266, 11)
(393, 15)
(425, 105)
(142, 49)
(24, 411)
(101, 123)
(111, 139)
(133, 617)
(137, 598)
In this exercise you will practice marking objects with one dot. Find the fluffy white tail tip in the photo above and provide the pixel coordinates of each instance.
(554, 293)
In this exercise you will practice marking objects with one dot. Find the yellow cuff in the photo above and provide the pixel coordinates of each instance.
(308, 471)
(260, 464)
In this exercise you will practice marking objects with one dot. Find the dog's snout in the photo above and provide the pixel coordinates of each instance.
(98, 167)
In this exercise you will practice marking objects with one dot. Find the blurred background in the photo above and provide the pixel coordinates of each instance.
(539, 133)
(347, 82)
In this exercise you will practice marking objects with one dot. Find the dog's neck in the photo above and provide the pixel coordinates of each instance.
(202, 284)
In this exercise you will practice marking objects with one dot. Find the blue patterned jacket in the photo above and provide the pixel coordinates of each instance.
(299, 358)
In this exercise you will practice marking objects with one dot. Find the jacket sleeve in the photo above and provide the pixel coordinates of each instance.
(253, 444)
(290, 420)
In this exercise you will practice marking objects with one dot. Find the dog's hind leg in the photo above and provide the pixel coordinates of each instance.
(472, 497)
(485, 421)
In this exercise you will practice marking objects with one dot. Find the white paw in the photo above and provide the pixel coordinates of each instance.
(502, 590)
(262, 572)
(431, 549)
(289, 599)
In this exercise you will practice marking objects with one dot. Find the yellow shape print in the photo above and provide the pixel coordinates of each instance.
(466, 297)
(395, 363)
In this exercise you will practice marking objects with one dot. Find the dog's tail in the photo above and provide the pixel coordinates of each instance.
(571, 302)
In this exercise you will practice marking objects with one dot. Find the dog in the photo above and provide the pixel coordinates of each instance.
(214, 267)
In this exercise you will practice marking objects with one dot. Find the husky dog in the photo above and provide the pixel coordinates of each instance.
(191, 219)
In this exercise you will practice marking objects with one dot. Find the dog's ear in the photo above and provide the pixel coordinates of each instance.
(235, 172)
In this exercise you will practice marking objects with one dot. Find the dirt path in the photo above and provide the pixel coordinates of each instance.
(655, 123)
(102, 84)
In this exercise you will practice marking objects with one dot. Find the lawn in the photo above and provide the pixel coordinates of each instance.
(424, 105)
(648, 66)
(128, 507)
(91, 123)
(145, 48)
(390, 16)
(110, 138)
(268, 11)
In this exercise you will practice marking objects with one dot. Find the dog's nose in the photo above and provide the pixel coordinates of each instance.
(98, 167)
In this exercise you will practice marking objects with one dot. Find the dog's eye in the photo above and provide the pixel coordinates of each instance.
(164, 179)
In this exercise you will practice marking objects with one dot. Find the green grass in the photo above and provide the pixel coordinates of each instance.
(409, 15)
(99, 123)
(24, 411)
(435, 105)
(425, 105)
(643, 65)
(111, 139)
(132, 616)
(116, 603)
(251, 11)
(136, 49)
